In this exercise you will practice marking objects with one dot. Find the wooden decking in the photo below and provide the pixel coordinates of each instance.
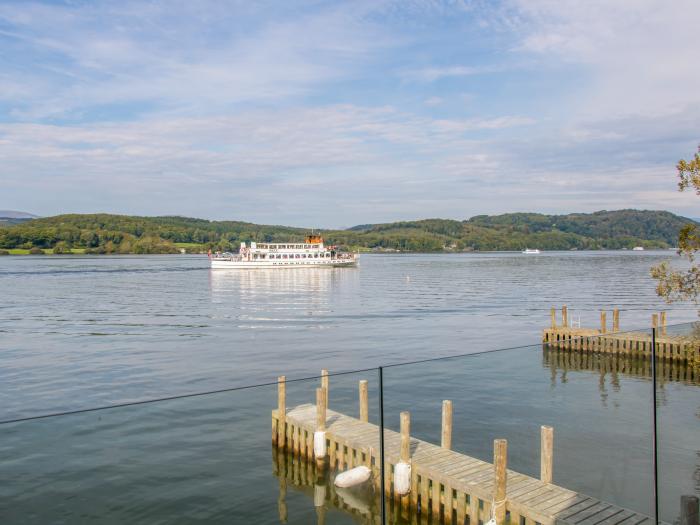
(448, 485)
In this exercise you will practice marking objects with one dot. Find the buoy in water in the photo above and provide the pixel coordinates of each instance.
(353, 477)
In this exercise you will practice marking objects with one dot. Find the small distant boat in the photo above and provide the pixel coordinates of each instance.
(531, 252)
(638, 249)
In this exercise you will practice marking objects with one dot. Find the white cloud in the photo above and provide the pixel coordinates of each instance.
(99, 55)
(431, 74)
(640, 53)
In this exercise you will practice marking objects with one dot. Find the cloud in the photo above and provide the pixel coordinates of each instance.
(246, 109)
(639, 53)
(432, 74)
(202, 60)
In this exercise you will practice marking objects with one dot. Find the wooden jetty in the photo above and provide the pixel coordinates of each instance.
(680, 348)
(445, 485)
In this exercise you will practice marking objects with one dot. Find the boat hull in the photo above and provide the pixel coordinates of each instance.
(222, 264)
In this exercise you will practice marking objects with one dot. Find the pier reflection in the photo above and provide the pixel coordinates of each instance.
(331, 504)
(562, 362)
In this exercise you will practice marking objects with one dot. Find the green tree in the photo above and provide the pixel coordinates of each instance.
(676, 285)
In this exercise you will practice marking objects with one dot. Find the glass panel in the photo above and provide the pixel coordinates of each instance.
(207, 459)
(678, 422)
(595, 405)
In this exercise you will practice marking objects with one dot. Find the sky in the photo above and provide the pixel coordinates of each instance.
(332, 114)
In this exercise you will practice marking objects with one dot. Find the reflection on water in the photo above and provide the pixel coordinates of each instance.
(85, 331)
(264, 282)
(362, 504)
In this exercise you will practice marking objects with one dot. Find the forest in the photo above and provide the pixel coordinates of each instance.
(108, 233)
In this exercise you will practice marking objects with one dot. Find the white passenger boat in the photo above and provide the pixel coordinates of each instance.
(530, 252)
(312, 252)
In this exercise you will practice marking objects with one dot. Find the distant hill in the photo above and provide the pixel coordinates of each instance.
(14, 217)
(105, 233)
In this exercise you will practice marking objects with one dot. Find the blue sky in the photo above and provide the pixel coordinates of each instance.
(331, 114)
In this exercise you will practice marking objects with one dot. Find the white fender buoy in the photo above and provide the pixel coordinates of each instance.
(319, 444)
(353, 477)
(402, 478)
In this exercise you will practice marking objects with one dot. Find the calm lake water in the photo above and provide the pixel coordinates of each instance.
(79, 332)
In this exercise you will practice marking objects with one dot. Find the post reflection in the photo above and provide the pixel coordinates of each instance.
(298, 473)
(610, 367)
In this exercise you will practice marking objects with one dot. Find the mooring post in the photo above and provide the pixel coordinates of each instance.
(320, 434)
(402, 469)
(364, 401)
(655, 320)
(616, 320)
(281, 411)
(546, 453)
(689, 510)
(324, 383)
(603, 321)
(405, 437)
(446, 441)
(553, 313)
(500, 460)
(663, 323)
(564, 317)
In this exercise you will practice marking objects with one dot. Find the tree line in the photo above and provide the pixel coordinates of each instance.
(106, 233)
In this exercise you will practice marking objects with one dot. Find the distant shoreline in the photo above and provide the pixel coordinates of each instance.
(81, 252)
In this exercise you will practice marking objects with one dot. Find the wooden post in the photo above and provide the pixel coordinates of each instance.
(616, 320)
(446, 441)
(564, 317)
(553, 313)
(321, 409)
(281, 410)
(320, 422)
(500, 460)
(364, 401)
(689, 510)
(324, 383)
(663, 323)
(546, 453)
(405, 454)
(654, 320)
(405, 437)
(603, 321)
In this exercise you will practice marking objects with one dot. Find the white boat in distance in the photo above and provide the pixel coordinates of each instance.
(311, 252)
(530, 252)
(638, 249)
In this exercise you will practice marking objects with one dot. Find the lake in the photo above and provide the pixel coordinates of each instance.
(81, 332)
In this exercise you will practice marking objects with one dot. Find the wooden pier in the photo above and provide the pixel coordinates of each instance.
(677, 348)
(445, 485)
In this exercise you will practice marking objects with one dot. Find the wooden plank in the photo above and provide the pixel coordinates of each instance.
(583, 514)
(609, 513)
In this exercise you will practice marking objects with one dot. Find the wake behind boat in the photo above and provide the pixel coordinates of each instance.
(312, 252)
